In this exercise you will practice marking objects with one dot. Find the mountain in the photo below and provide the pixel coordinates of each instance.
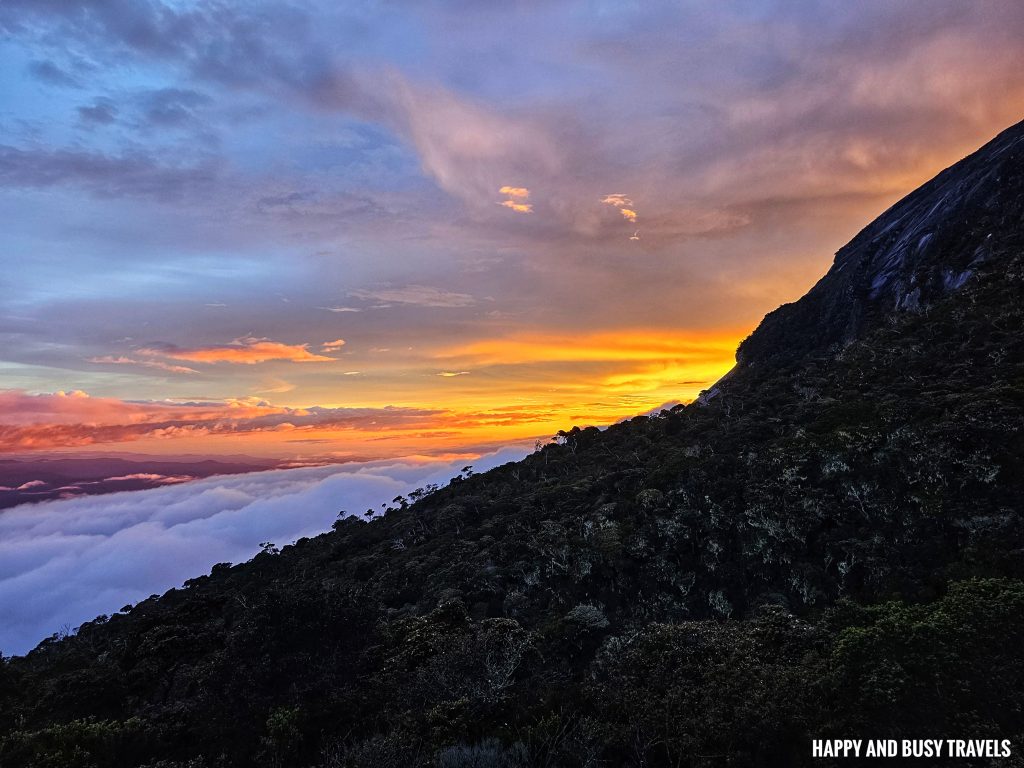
(827, 544)
(912, 256)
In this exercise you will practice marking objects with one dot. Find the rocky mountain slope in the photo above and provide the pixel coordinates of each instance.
(925, 246)
(831, 545)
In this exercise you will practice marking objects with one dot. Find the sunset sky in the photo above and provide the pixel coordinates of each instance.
(372, 229)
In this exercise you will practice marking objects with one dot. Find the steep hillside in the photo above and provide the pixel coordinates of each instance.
(832, 544)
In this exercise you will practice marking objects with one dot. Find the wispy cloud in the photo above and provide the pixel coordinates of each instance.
(616, 199)
(418, 295)
(49, 73)
(158, 364)
(152, 477)
(518, 192)
(129, 174)
(517, 207)
(333, 346)
(247, 350)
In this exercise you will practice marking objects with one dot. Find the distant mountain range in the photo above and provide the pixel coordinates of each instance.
(44, 478)
(828, 544)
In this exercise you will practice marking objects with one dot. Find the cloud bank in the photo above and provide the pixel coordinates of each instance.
(67, 419)
(65, 562)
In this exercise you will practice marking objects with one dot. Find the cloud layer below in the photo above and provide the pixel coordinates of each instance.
(65, 562)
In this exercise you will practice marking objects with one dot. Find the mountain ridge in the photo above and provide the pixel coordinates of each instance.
(907, 257)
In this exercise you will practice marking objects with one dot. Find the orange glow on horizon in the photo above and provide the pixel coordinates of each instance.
(492, 391)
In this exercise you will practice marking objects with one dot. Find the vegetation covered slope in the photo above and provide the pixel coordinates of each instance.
(827, 544)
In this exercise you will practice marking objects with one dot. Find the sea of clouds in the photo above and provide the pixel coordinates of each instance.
(65, 562)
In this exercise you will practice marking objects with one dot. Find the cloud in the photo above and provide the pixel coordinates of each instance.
(101, 112)
(617, 199)
(341, 309)
(63, 420)
(517, 196)
(171, 107)
(418, 295)
(131, 174)
(464, 145)
(622, 203)
(65, 562)
(51, 74)
(517, 207)
(158, 364)
(518, 192)
(152, 477)
(333, 346)
(451, 374)
(247, 350)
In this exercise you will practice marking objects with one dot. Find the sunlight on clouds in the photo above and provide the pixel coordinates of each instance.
(654, 344)
(515, 196)
(560, 379)
(517, 207)
(519, 192)
(59, 420)
(616, 199)
(247, 350)
(622, 203)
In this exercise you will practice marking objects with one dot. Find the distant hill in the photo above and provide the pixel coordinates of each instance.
(829, 543)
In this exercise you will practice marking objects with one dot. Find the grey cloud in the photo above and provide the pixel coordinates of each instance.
(102, 112)
(239, 47)
(418, 295)
(50, 73)
(126, 175)
(172, 107)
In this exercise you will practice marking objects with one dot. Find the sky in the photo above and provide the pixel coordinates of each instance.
(374, 229)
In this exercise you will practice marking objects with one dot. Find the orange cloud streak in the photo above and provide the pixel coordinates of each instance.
(62, 420)
(518, 207)
(519, 192)
(637, 345)
(244, 351)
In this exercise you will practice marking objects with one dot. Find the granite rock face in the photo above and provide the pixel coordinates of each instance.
(929, 243)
